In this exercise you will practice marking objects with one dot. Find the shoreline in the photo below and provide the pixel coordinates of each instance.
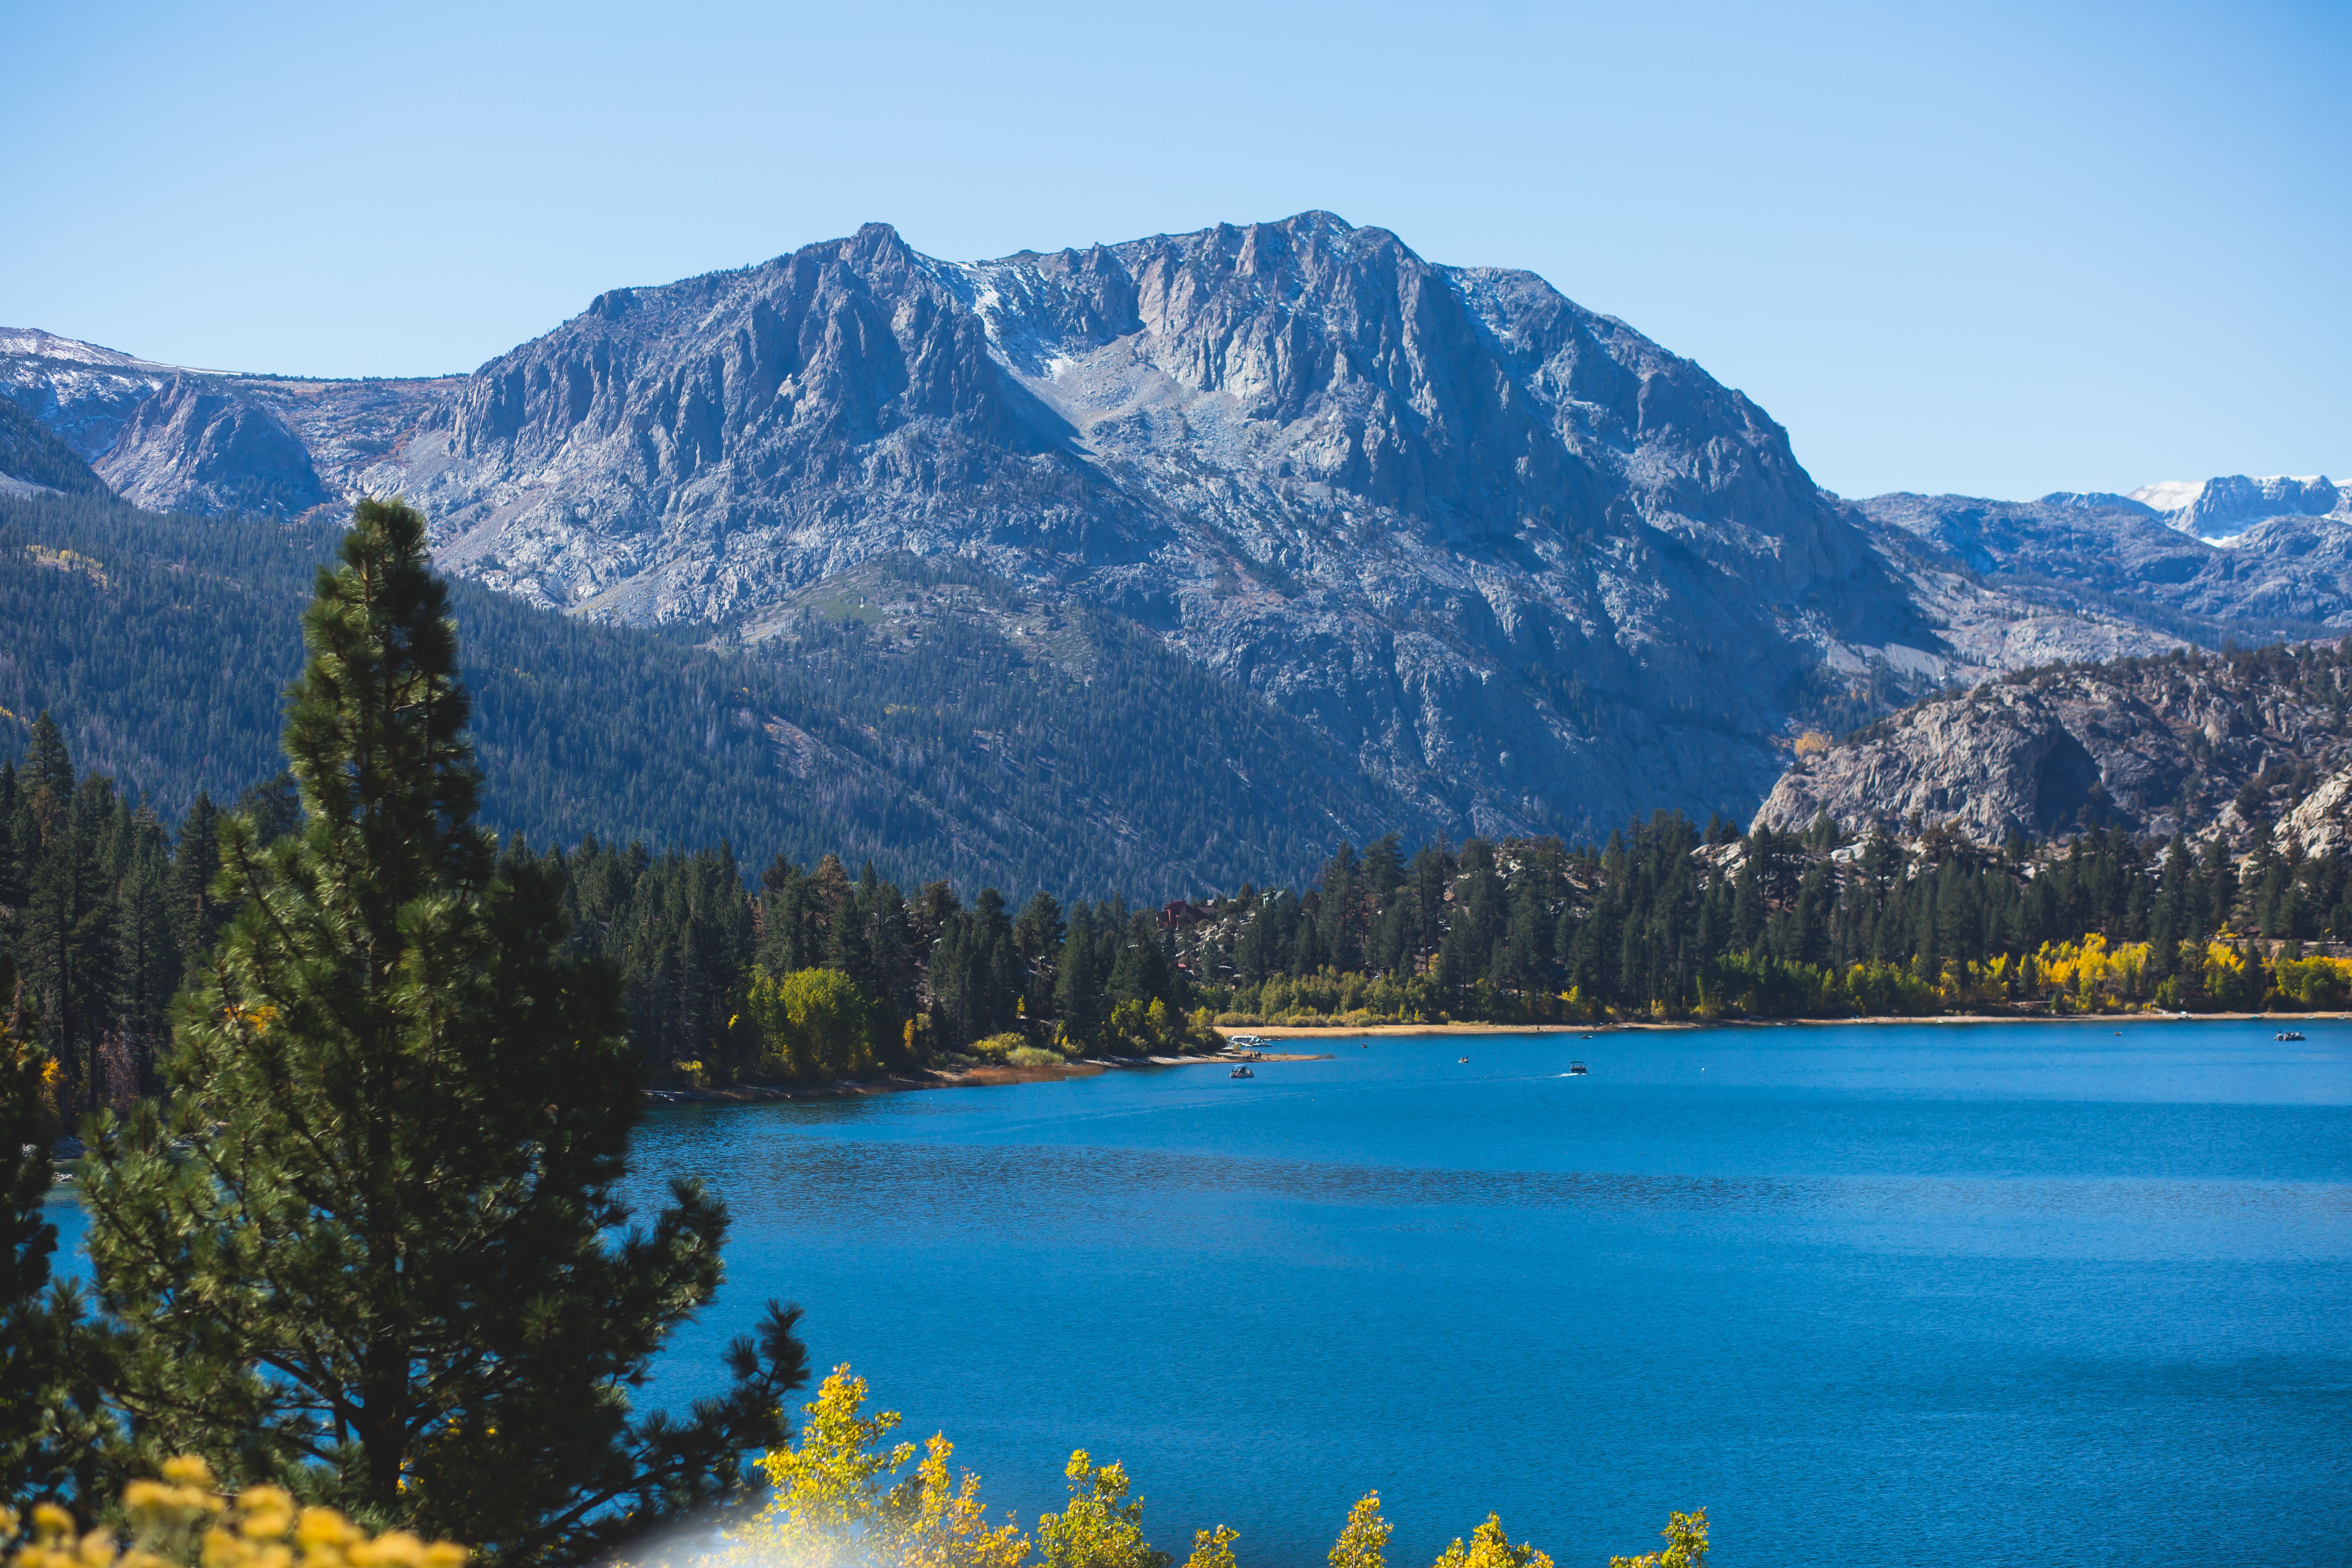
(1094, 1067)
(958, 1077)
(1314, 1031)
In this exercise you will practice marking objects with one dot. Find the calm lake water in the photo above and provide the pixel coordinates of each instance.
(1910, 1295)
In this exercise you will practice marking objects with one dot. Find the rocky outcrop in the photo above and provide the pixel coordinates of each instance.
(2322, 824)
(198, 447)
(83, 394)
(2196, 743)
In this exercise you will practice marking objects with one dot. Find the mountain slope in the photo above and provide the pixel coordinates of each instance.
(161, 645)
(31, 456)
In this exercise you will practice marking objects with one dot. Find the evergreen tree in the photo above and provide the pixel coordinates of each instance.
(47, 1442)
(381, 1271)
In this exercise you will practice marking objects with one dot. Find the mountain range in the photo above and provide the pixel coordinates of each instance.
(1502, 563)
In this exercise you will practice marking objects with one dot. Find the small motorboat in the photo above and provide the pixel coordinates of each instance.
(1576, 1070)
(1465, 1058)
(2290, 1033)
(1241, 1072)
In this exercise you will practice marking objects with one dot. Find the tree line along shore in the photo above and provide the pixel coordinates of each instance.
(810, 975)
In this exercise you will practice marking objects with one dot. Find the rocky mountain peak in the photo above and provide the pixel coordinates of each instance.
(2218, 509)
(1527, 568)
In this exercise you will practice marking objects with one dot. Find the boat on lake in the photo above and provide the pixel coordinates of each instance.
(1576, 1070)
(2290, 1033)
(1241, 1072)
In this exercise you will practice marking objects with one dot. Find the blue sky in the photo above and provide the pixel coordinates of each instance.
(1998, 249)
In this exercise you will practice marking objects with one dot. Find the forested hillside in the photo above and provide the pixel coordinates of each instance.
(32, 455)
(823, 975)
(161, 643)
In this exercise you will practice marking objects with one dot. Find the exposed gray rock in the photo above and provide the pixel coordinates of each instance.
(83, 393)
(2195, 744)
(2217, 509)
(2322, 824)
(195, 447)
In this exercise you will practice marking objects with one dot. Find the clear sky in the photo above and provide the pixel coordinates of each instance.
(1993, 248)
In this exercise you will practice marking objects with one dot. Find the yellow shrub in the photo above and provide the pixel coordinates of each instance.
(838, 1497)
(180, 1521)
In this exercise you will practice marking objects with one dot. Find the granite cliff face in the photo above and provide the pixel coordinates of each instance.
(2198, 743)
(1527, 570)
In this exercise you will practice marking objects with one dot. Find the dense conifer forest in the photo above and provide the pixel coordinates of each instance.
(1094, 760)
(807, 973)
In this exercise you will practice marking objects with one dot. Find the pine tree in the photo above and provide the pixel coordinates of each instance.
(46, 1439)
(380, 1271)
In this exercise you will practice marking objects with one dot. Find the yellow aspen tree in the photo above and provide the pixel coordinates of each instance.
(1364, 1539)
(1213, 1548)
(1490, 1548)
(180, 1521)
(1100, 1527)
(1686, 1536)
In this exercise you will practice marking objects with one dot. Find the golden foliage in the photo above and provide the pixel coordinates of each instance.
(838, 1503)
(1490, 1548)
(838, 1497)
(1100, 1527)
(180, 1521)
(1364, 1539)
(1213, 1548)
(1686, 1536)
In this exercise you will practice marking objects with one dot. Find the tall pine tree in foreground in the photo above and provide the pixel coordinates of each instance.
(384, 1263)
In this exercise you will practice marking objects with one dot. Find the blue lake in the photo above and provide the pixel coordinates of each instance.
(1919, 1295)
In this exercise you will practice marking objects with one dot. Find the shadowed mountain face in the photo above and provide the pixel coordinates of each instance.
(33, 460)
(1520, 567)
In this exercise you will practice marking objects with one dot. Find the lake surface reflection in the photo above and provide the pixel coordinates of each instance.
(1921, 1295)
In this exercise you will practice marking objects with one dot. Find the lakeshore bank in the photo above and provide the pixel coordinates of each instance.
(960, 1078)
(1089, 1067)
(1355, 1031)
